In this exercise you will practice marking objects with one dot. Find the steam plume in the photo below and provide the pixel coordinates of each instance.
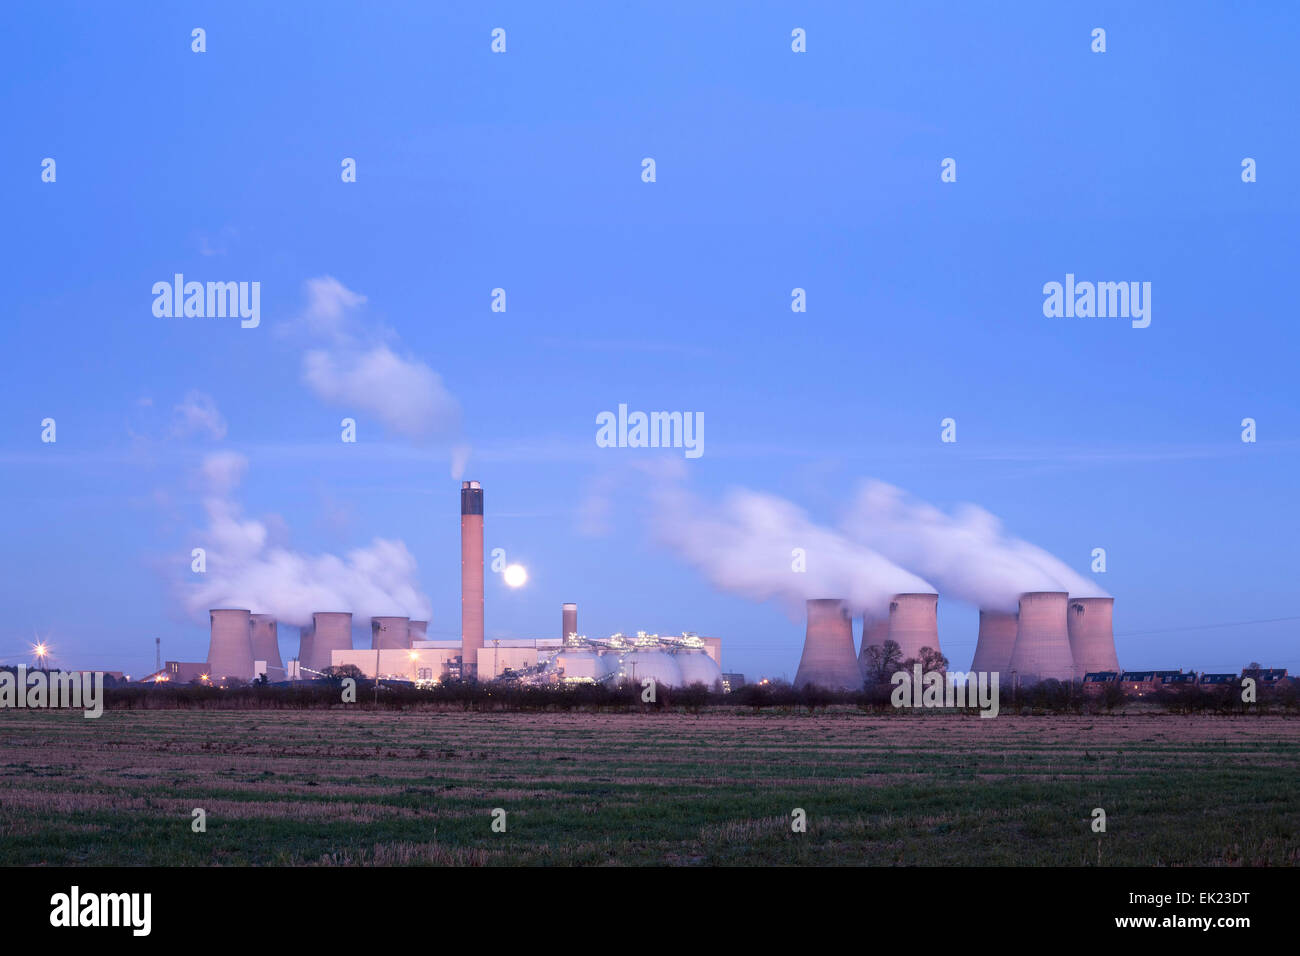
(746, 546)
(244, 569)
(967, 553)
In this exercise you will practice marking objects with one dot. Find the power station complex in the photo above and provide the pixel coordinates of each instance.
(245, 645)
(1051, 636)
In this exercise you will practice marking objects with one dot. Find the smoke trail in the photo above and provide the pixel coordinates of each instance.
(747, 545)
(350, 364)
(967, 554)
(245, 570)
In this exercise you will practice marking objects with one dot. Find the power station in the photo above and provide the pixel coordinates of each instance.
(1051, 636)
(243, 645)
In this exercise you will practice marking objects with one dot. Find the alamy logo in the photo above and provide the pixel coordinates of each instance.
(75, 908)
(951, 689)
(653, 430)
(212, 300)
(1104, 300)
(58, 689)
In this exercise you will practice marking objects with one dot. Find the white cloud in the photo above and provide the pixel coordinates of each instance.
(198, 414)
(351, 367)
(404, 393)
(329, 303)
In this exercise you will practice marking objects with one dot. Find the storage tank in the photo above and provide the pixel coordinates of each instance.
(266, 644)
(390, 633)
(1042, 648)
(582, 662)
(828, 659)
(1092, 637)
(996, 641)
(230, 646)
(914, 623)
(641, 664)
(697, 667)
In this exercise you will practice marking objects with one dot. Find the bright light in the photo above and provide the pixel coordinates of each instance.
(515, 575)
(414, 656)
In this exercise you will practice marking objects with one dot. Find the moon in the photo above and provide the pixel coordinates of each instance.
(515, 575)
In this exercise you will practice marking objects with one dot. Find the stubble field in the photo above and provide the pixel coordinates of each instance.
(383, 787)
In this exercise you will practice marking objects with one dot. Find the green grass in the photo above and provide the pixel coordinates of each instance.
(361, 787)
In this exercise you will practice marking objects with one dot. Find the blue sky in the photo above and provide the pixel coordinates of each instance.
(775, 170)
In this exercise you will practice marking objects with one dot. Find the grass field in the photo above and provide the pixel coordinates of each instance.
(334, 787)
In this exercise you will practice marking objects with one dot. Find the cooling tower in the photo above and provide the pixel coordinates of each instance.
(568, 620)
(996, 641)
(417, 631)
(875, 631)
(471, 576)
(828, 659)
(914, 624)
(1092, 640)
(230, 653)
(390, 632)
(331, 631)
(305, 635)
(1042, 648)
(266, 644)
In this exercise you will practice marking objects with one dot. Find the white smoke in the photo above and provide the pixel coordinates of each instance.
(747, 545)
(347, 367)
(405, 394)
(967, 554)
(245, 569)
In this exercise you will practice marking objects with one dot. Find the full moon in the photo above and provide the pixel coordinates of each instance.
(515, 575)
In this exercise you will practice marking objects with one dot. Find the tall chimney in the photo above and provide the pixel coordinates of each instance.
(875, 631)
(471, 576)
(266, 644)
(1092, 637)
(996, 641)
(828, 660)
(390, 632)
(331, 631)
(1042, 648)
(914, 624)
(230, 648)
(568, 621)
